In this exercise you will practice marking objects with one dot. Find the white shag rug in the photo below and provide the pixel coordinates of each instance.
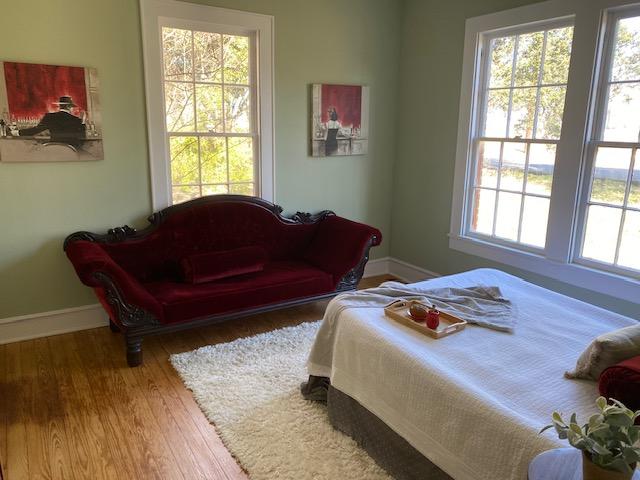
(250, 390)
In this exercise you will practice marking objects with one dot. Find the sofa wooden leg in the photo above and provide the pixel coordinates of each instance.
(113, 327)
(134, 351)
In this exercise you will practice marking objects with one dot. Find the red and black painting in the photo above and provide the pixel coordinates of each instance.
(49, 113)
(340, 123)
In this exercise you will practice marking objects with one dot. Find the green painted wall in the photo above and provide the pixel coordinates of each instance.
(41, 203)
(430, 74)
(354, 41)
(408, 51)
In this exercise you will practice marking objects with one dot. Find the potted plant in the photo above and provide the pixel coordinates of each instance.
(610, 442)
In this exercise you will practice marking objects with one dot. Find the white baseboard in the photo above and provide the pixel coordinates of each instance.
(408, 272)
(398, 268)
(377, 267)
(45, 324)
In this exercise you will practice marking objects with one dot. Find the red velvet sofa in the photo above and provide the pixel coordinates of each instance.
(217, 258)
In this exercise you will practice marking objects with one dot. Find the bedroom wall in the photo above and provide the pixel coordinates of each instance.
(430, 73)
(354, 41)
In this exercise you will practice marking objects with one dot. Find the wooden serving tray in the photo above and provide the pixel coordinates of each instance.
(399, 311)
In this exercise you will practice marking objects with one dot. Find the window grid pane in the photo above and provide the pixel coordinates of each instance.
(209, 121)
(538, 75)
(526, 78)
(622, 122)
(612, 201)
(509, 171)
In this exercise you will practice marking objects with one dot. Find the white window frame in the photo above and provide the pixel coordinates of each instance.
(596, 134)
(478, 127)
(154, 14)
(557, 259)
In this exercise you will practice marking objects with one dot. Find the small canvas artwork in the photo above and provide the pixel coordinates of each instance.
(49, 113)
(340, 123)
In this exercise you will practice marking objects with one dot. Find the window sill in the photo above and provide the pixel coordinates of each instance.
(578, 275)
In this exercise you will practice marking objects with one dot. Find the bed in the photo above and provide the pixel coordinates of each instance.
(470, 404)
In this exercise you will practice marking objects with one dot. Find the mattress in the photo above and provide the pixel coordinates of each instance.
(473, 402)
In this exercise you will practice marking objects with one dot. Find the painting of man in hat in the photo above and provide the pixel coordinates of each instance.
(49, 113)
(63, 125)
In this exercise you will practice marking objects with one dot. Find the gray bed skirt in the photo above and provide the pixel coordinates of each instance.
(386, 447)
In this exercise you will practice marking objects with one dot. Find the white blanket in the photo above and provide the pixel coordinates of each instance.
(472, 402)
(482, 305)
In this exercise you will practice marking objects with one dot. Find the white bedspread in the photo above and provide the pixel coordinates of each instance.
(472, 402)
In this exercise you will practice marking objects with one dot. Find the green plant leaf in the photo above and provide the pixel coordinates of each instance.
(618, 464)
(576, 428)
(573, 419)
(619, 420)
(631, 454)
(601, 402)
(599, 449)
(595, 420)
(610, 438)
(600, 431)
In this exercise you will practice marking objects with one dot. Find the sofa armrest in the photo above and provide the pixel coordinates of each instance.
(340, 246)
(97, 269)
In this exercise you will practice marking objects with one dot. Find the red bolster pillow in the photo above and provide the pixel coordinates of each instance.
(210, 266)
(622, 382)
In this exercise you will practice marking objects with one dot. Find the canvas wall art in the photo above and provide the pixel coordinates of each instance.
(340, 120)
(49, 113)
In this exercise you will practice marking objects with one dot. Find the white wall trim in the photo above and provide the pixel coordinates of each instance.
(377, 267)
(55, 322)
(400, 269)
(408, 272)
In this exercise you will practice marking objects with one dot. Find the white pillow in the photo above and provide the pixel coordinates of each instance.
(607, 350)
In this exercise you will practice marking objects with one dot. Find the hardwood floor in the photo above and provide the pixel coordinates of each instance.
(70, 408)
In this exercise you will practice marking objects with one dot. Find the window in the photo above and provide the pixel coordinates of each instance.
(547, 167)
(611, 213)
(209, 101)
(210, 116)
(525, 78)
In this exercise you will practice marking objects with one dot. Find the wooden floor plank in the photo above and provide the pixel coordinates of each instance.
(92, 452)
(70, 408)
(51, 414)
(209, 451)
(157, 417)
(113, 415)
(17, 391)
(3, 407)
(144, 436)
(175, 344)
(37, 441)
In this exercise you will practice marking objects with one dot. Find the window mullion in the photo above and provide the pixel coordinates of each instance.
(570, 149)
(625, 203)
(524, 187)
(495, 205)
(538, 89)
(513, 81)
